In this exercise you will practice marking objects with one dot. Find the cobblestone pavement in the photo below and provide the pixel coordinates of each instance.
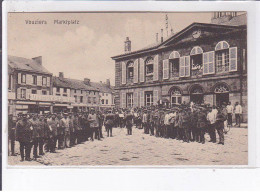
(143, 149)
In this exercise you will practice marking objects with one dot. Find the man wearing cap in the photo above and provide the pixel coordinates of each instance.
(93, 119)
(211, 117)
(24, 136)
(53, 125)
(220, 118)
(144, 121)
(72, 130)
(66, 130)
(238, 113)
(35, 135)
(11, 134)
(109, 123)
(230, 110)
(61, 132)
(129, 122)
(202, 124)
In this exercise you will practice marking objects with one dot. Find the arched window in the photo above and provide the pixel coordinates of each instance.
(196, 61)
(130, 70)
(196, 94)
(221, 92)
(176, 97)
(221, 88)
(174, 60)
(149, 66)
(222, 57)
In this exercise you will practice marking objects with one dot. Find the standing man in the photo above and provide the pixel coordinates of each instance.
(53, 125)
(42, 131)
(144, 121)
(72, 130)
(61, 132)
(101, 121)
(93, 119)
(24, 136)
(35, 135)
(238, 113)
(220, 125)
(129, 122)
(211, 117)
(11, 134)
(201, 124)
(109, 122)
(67, 130)
(167, 124)
(230, 109)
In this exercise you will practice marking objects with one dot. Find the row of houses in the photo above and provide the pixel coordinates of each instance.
(33, 89)
(203, 63)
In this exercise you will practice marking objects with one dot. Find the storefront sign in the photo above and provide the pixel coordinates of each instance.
(51, 98)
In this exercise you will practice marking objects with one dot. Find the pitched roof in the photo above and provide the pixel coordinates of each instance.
(102, 87)
(72, 83)
(176, 35)
(26, 65)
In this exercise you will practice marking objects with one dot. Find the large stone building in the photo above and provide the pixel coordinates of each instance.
(204, 62)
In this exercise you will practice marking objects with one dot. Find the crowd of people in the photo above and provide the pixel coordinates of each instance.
(185, 122)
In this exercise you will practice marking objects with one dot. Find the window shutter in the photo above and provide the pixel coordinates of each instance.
(187, 66)
(155, 97)
(123, 100)
(39, 80)
(205, 63)
(135, 99)
(123, 73)
(156, 68)
(233, 59)
(141, 70)
(182, 67)
(166, 69)
(136, 71)
(48, 81)
(211, 58)
(28, 92)
(18, 93)
(141, 98)
(28, 79)
(19, 78)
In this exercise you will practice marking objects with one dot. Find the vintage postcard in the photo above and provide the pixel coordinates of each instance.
(127, 88)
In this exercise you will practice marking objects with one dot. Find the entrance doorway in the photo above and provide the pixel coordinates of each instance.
(196, 94)
(197, 98)
(222, 94)
(222, 98)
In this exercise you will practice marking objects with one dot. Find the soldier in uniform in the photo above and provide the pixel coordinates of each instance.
(194, 128)
(211, 117)
(185, 125)
(129, 122)
(61, 132)
(24, 136)
(67, 130)
(11, 134)
(220, 119)
(101, 121)
(53, 125)
(93, 119)
(72, 130)
(41, 132)
(35, 135)
(202, 124)
(144, 121)
(109, 122)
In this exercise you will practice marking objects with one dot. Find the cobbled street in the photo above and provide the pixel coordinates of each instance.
(143, 149)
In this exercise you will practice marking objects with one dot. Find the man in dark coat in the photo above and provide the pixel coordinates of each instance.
(11, 134)
(109, 122)
(129, 122)
(53, 125)
(24, 136)
(202, 124)
(220, 118)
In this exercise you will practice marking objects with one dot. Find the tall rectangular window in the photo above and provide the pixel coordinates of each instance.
(44, 92)
(175, 67)
(148, 98)
(44, 81)
(222, 60)
(81, 99)
(34, 79)
(23, 78)
(129, 99)
(23, 93)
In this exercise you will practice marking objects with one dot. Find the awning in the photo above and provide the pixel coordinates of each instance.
(64, 105)
(25, 102)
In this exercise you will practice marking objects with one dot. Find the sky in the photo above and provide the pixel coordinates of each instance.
(84, 50)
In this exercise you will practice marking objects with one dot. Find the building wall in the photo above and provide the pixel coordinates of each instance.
(90, 98)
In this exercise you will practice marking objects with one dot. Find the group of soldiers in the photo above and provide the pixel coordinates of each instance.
(45, 133)
(48, 132)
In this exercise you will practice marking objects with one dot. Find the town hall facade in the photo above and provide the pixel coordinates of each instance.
(203, 63)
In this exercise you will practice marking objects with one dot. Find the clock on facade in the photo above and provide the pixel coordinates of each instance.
(196, 34)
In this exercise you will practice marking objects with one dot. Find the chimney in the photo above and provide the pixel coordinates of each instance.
(127, 45)
(157, 37)
(87, 81)
(38, 60)
(61, 75)
(108, 83)
(161, 35)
